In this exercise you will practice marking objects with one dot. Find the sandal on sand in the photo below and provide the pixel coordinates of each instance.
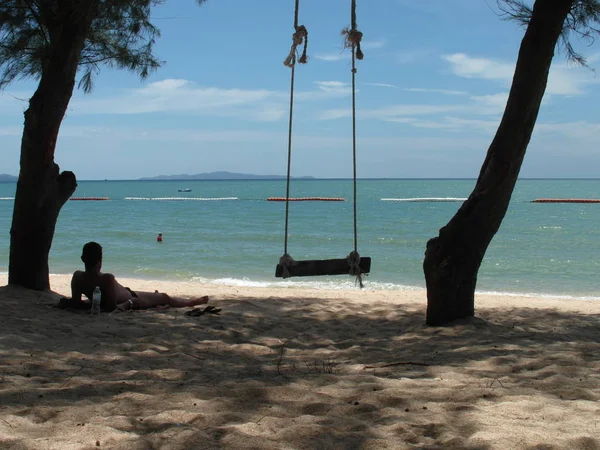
(200, 311)
(69, 303)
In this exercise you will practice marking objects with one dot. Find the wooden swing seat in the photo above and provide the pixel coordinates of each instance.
(317, 267)
(311, 268)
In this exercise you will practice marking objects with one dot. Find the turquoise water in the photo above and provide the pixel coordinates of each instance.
(543, 249)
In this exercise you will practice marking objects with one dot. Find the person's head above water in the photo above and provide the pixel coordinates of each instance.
(91, 255)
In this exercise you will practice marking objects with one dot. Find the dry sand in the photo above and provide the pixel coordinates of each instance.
(298, 369)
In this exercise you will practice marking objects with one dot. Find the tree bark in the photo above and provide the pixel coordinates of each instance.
(452, 259)
(41, 189)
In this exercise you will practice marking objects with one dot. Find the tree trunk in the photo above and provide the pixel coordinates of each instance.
(41, 190)
(453, 258)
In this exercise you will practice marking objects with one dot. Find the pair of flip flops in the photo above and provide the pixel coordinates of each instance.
(69, 303)
(201, 311)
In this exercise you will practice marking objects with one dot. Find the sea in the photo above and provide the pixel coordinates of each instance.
(226, 232)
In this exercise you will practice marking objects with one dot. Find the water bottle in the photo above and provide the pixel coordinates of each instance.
(96, 301)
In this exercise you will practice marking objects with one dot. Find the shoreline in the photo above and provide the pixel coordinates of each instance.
(306, 285)
(60, 284)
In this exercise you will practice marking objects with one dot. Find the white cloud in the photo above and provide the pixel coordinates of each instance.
(331, 56)
(333, 86)
(345, 54)
(342, 53)
(331, 114)
(436, 91)
(383, 85)
(564, 79)
(390, 113)
(468, 67)
(410, 120)
(325, 90)
(183, 96)
(458, 124)
(371, 45)
(574, 130)
(406, 57)
(168, 135)
(173, 95)
(102, 133)
(412, 110)
(490, 104)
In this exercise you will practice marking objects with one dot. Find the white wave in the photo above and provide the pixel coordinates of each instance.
(296, 283)
(7, 198)
(539, 295)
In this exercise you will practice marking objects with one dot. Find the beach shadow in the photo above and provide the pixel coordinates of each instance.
(296, 371)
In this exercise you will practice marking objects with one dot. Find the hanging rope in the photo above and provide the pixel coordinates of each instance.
(353, 38)
(299, 37)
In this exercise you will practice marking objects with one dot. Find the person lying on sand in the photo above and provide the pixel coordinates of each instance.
(114, 295)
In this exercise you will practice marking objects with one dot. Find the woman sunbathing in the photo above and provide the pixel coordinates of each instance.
(115, 295)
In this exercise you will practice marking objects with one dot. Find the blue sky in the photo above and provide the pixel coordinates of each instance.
(431, 91)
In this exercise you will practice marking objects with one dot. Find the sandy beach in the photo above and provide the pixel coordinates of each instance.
(291, 368)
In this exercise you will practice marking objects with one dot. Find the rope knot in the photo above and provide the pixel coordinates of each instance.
(286, 261)
(298, 38)
(355, 270)
(352, 39)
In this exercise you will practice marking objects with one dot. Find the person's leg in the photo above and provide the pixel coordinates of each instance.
(147, 300)
(183, 302)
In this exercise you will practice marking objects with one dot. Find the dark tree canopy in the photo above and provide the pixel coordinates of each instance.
(582, 23)
(121, 36)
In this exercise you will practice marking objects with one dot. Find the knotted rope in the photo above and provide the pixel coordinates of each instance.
(355, 270)
(353, 38)
(298, 38)
(286, 261)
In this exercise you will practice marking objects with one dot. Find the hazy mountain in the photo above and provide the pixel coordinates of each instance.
(6, 177)
(221, 175)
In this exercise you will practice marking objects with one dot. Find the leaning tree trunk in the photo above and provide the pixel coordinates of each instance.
(452, 259)
(41, 189)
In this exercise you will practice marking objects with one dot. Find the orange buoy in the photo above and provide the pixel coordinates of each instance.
(566, 200)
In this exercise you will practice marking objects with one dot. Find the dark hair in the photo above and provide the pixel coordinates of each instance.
(91, 254)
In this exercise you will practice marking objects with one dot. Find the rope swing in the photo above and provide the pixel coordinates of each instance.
(353, 264)
(299, 37)
(353, 37)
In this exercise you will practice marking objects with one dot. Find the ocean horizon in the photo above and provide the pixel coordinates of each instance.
(540, 250)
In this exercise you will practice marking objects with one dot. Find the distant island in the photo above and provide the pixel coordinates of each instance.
(6, 177)
(222, 175)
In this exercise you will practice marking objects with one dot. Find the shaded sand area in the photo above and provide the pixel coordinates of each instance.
(298, 369)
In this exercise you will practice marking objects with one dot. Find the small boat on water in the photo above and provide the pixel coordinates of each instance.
(184, 190)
